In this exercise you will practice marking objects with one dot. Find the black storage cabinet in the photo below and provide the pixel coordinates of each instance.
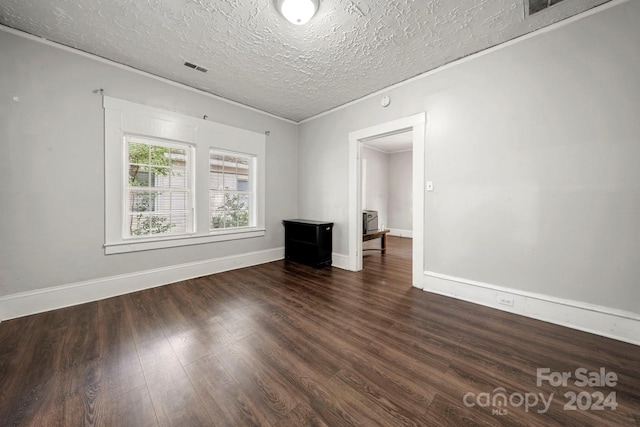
(308, 242)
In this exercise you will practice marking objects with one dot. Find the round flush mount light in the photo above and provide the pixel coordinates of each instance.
(297, 12)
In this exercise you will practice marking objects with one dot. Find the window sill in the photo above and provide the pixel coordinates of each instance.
(176, 241)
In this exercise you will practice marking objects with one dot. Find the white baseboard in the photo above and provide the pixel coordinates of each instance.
(340, 261)
(26, 303)
(400, 232)
(608, 322)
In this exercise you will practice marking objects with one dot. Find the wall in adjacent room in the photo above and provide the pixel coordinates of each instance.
(52, 166)
(400, 191)
(377, 179)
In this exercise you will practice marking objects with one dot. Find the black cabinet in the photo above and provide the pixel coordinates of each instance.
(308, 242)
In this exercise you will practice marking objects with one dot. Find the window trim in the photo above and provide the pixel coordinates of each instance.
(182, 240)
(124, 118)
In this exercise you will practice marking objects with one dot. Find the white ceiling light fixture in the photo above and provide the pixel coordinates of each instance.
(297, 12)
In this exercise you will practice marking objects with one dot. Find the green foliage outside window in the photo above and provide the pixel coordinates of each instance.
(146, 162)
(233, 213)
(152, 224)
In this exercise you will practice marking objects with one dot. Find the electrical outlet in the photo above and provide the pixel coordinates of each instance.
(506, 300)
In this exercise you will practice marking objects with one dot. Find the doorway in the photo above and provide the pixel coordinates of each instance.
(416, 125)
(387, 179)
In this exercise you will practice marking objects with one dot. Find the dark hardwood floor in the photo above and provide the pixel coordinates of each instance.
(282, 344)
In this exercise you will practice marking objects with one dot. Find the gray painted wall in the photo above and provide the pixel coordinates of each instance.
(533, 149)
(400, 191)
(377, 183)
(52, 166)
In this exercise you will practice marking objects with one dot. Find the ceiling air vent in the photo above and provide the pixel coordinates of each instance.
(534, 6)
(195, 67)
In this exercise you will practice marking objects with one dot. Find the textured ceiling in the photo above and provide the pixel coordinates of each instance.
(349, 49)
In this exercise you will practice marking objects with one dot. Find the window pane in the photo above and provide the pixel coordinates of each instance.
(178, 176)
(159, 156)
(178, 173)
(230, 163)
(217, 201)
(217, 219)
(243, 201)
(177, 156)
(138, 153)
(230, 182)
(230, 221)
(178, 222)
(243, 165)
(139, 176)
(179, 201)
(159, 180)
(159, 223)
(243, 218)
(145, 224)
(216, 158)
(139, 201)
(160, 176)
(136, 222)
(161, 202)
(216, 161)
(216, 210)
(242, 182)
(215, 181)
(231, 201)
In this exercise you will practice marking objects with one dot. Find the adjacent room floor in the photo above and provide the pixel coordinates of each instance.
(285, 344)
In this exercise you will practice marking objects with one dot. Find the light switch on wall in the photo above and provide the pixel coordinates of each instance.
(429, 185)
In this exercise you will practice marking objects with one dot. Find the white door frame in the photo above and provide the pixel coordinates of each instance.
(417, 124)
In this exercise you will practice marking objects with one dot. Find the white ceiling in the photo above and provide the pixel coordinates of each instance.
(350, 49)
(392, 143)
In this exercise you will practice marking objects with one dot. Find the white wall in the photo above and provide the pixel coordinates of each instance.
(400, 191)
(533, 149)
(376, 187)
(52, 167)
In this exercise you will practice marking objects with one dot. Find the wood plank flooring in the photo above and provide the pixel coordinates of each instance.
(283, 344)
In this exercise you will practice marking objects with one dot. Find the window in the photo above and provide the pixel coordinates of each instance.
(230, 190)
(174, 180)
(158, 189)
